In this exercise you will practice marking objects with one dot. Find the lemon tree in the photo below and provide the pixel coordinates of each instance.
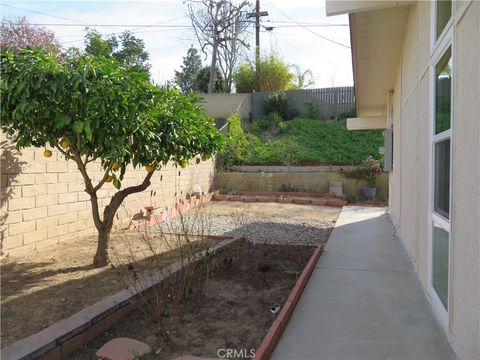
(94, 109)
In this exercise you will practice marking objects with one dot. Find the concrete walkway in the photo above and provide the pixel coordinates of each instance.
(364, 300)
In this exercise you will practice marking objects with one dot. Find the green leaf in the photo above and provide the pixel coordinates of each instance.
(78, 126)
(61, 120)
(88, 131)
(117, 183)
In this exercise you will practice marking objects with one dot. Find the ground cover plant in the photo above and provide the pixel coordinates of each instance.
(305, 142)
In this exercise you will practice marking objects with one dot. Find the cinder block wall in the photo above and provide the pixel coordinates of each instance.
(43, 199)
(223, 105)
(311, 182)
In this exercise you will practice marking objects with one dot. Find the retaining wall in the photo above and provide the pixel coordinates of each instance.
(317, 182)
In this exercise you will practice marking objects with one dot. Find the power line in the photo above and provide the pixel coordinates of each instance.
(306, 28)
(110, 25)
(305, 23)
(307, 51)
(42, 13)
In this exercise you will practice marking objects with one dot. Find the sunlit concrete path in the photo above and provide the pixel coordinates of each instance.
(364, 300)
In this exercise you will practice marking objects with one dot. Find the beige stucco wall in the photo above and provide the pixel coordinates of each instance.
(409, 181)
(223, 105)
(465, 258)
(43, 200)
(310, 182)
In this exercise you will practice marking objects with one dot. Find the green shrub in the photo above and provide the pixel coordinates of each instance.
(234, 143)
(266, 122)
(276, 102)
(312, 110)
(235, 133)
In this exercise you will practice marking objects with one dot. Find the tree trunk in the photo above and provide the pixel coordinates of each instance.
(101, 256)
(104, 227)
(213, 69)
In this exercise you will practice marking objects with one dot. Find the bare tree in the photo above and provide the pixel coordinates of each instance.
(230, 51)
(220, 28)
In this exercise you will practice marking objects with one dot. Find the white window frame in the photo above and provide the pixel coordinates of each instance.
(438, 48)
(434, 41)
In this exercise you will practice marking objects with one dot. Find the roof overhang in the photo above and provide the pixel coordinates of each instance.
(366, 123)
(338, 7)
(376, 32)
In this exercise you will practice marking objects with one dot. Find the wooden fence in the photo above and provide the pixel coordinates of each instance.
(331, 102)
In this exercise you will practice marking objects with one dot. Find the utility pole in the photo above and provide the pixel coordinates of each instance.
(257, 45)
(257, 14)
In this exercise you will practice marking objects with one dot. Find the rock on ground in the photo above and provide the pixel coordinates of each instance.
(265, 229)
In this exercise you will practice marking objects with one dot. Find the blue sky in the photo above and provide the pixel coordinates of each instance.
(302, 45)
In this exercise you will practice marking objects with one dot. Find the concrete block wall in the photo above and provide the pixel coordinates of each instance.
(317, 182)
(223, 105)
(43, 200)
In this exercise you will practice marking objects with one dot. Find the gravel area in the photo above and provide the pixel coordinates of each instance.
(264, 229)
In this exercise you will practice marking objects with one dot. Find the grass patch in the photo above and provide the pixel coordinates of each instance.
(310, 142)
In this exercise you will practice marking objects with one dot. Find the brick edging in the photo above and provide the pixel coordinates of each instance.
(270, 340)
(62, 338)
(291, 199)
(170, 212)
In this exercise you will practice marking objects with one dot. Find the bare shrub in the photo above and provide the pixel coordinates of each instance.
(163, 267)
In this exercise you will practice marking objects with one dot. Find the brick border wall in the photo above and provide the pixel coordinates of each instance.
(43, 201)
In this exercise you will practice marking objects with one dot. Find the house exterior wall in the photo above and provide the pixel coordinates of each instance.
(465, 258)
(410, 179)
(43, 200)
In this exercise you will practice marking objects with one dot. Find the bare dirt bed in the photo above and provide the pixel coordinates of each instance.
(42, 287)
(231, 312)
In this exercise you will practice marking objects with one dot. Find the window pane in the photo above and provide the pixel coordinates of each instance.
(443, 81)
(440, 263)
(441, 201)
(444, 13)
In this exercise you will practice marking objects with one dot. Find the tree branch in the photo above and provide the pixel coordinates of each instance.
(135, 189)
(67, 155)
(118, 198)
(105, 176)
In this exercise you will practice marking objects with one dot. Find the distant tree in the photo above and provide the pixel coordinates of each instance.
(131, 50)
(186, 78)
(203, 80)
(19, 34)
(244, 78)
(218, 25)
(126, 48)
(97, 45)
(273, 75)
(230, 50)
(303, 78)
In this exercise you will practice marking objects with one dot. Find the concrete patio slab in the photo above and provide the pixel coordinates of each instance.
(364, 300)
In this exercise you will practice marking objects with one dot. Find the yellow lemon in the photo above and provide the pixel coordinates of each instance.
(109, 179)
(184, 164)
(47, 153)
(65, 144)
(150, 168)
(116, 165)
(205, 157)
